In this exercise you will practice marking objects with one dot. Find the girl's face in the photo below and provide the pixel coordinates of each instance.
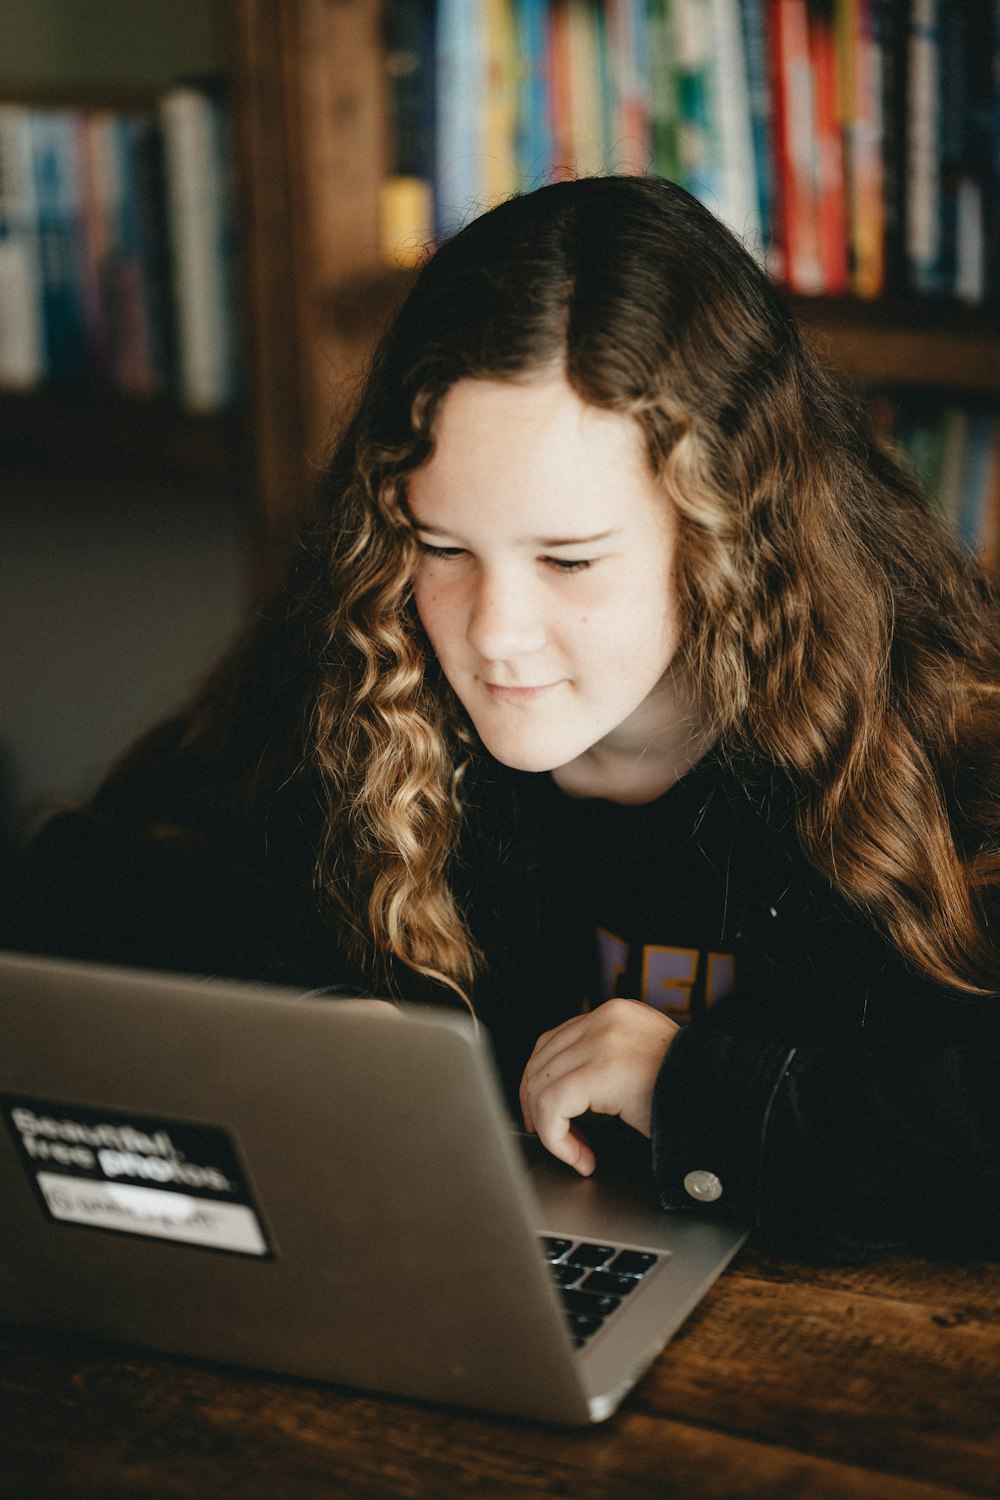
(546, 585)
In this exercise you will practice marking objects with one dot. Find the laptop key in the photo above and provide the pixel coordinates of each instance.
(633, 1262)
(568, 1276)
(598, 1306)
(594, 1256)
(553, 1248)
(608, 1281)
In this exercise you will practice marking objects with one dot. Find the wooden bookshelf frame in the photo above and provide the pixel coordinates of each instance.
(62, 432)
(913, 344)
(308, 89)
(308, 95)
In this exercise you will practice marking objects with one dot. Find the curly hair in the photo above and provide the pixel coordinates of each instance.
(832, 629)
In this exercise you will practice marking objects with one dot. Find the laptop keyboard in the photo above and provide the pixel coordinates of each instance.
(594, 1280)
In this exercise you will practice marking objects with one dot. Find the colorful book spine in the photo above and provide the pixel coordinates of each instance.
(459, 69)
(756, 43)
(991, 129)
(499, 100)
(84, 294)
(989, 547)
(852, 144)
(952, 107)
(532, 134)
(198, 174)
(587, 93)
(977, 196)
(865, 145)
(925, 252)
(825, 58)
(627, 44)
(58, 196)
(664, 90)
(22, 336)
(739, 195)
(135, 372)
(700, 144)
(561, 163)
(893, 34)
(151, 195)
(98, 241)
(407, 204)
(972, 518)
(795, 141)
(954, 452)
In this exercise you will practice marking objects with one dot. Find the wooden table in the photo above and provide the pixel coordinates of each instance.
(787, 1381)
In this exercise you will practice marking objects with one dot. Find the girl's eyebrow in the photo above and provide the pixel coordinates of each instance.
(572, 541)
(534, 541)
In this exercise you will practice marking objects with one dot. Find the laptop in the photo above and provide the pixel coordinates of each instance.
(313, 1187)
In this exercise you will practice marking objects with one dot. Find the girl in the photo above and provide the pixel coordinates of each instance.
(624, 689)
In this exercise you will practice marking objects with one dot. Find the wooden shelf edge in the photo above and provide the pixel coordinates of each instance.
(907, 344)
(912, 345)
(113, 436)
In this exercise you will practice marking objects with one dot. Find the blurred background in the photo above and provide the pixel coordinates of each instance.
(120, 580)
(208, 209)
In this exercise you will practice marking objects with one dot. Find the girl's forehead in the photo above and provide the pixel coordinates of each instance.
(535, 461)
(541, 420)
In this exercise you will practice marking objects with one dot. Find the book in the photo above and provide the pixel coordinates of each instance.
(532, 130)
(138, 360)
(499, 100)
(627, 45)
(925, 246)
(991, 170)
(754, 15)
(952, 476)
(588, 93)
(459, 153)
(892, 29)
(153, 238)
(22, 340)
(732, 138)
(973, 519)
(977, 165)
(561, 161)
(989, 544)
(798, 230)
(699, 145)
(825, 59)
(58, 198)
(664, 90)
(100, 187)
(864, 139)
(198, 177)
(407, 194)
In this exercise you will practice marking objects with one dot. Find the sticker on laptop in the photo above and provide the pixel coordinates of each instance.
(105, 1169)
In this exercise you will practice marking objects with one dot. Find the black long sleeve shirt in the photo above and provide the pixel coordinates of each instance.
(830, 1097)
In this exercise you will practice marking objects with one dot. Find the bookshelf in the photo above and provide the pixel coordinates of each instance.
(115, 60)
(316, 148)
(309, 94)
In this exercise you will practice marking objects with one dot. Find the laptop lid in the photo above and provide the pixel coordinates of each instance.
(308, 1186)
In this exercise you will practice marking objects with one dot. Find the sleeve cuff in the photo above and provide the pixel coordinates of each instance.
(711, 1107)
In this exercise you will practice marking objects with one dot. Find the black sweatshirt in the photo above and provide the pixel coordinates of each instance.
(819, 1090)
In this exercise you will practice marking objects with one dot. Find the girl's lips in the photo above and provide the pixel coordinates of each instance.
(518, 694)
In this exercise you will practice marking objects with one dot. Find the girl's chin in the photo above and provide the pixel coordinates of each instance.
(528, 757)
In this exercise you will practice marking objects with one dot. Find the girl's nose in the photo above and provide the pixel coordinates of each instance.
(504, 622)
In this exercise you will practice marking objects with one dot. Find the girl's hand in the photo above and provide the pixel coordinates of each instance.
(606, 1061)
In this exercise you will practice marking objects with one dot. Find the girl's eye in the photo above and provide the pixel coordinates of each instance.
(563, 566)
(430, 551)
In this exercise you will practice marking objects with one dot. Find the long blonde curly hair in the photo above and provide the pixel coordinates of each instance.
(832, 629)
